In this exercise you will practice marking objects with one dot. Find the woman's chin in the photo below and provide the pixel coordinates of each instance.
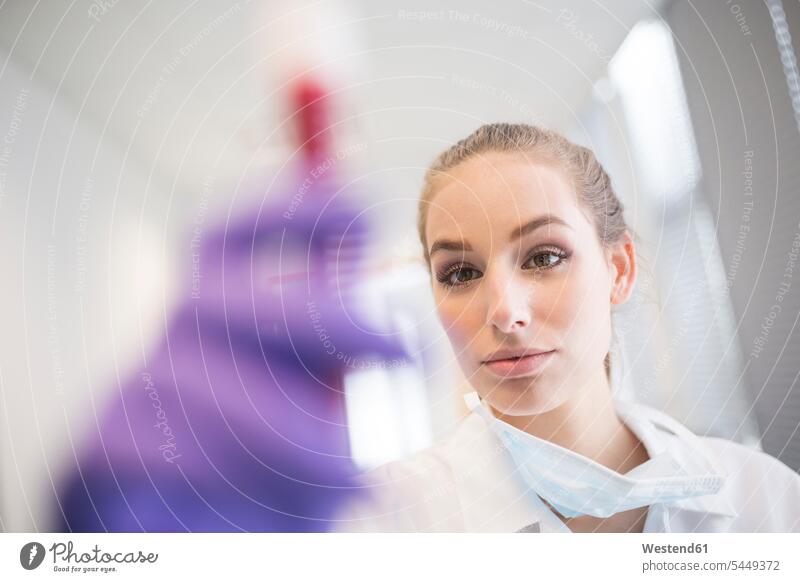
(518, 398)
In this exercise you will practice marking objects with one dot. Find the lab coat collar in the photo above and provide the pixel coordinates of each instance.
(660, 432)
(490, 493)
(494, 497)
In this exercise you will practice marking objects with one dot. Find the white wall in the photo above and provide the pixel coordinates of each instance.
(82, 237)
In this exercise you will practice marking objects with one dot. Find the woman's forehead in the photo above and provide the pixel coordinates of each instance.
(499, 193)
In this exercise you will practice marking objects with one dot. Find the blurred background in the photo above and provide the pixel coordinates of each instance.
(126, 126)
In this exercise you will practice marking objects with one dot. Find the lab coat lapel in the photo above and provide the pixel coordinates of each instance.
(492, 495)
(695, 514)
(691, 513)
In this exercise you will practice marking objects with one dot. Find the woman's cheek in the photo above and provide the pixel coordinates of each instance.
(554, 302)
(589, 323)
(562, 309)
(457, 324)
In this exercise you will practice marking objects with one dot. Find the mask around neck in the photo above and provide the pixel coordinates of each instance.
(575, 485)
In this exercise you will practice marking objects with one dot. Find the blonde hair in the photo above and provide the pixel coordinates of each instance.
(591, 182)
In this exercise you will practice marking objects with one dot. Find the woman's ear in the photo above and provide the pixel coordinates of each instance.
(622, 259)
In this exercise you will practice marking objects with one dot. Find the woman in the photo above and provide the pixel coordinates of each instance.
(529, 252)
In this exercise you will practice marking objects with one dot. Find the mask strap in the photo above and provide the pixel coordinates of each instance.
(475, 405)
(472, 401)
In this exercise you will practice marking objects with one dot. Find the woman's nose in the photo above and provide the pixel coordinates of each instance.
(508, 307)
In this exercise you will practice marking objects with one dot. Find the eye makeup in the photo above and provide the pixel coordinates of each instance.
(461, 273)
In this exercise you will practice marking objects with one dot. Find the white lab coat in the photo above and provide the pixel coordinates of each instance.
(468, 482)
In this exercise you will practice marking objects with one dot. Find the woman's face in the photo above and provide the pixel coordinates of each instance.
(518, 269)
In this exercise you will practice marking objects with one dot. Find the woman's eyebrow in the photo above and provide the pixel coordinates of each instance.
(532, 225)
(449, 245)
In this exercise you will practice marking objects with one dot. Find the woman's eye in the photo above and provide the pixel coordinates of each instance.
(546, 259)
(458, 276)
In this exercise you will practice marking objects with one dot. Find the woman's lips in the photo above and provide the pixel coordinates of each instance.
(512, 368)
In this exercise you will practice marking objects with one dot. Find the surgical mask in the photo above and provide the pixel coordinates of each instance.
(576, 485)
